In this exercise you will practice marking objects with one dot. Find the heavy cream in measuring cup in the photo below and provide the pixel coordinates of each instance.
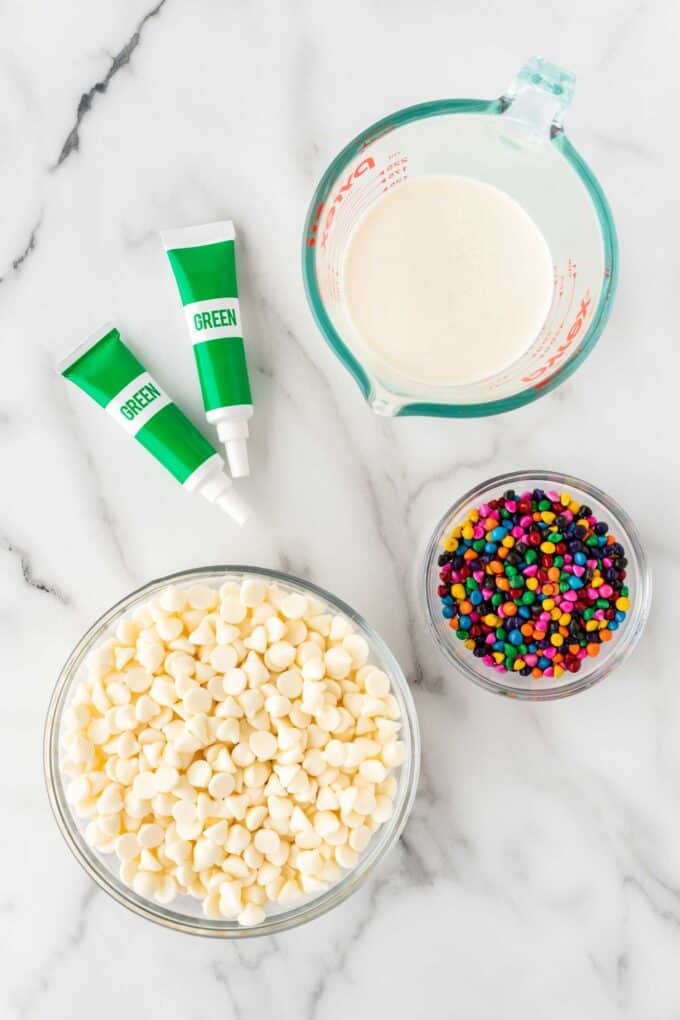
(448, 280)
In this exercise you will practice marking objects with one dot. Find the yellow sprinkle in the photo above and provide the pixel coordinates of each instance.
(565, 498)
(473, 516)
(469, 644)
(498, 656)
(583, 523)
(467, 531)
(458, 591)
(450, 544)
(557, 640)
(555, 613)
(548, 604)
(508, 542)
(532, 583)
(592, 624)
(548, 516)
(547, 547)
(574, 506)
(518, 664)
(596, 582)
(456, 533)
(491, 620)
(565, 618)
(558, 670)
(623, 604)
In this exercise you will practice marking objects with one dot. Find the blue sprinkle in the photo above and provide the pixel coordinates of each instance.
(575, 582)
(448, 600)
(465, 623)
(497, 646)
(525, 612)
(476, 597)
(620, 617)
(490, 547)
(580, 558)
(498, 534)
(532, 647)
(613, 625)
(447, 612)
(515, 638)
(543, 663)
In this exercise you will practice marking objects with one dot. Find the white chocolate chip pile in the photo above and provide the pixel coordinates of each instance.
(232, 745)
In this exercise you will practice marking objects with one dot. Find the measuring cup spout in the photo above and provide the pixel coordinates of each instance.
(538, 98)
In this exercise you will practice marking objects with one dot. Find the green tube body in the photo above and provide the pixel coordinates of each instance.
(203, 263)
(107, 370)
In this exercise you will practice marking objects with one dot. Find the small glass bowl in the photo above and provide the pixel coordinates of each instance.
(185, 914)
(612, 654)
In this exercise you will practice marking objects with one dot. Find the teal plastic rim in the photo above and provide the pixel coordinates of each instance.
(438, 108)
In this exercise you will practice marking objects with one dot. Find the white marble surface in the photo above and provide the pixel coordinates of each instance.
(540, 873)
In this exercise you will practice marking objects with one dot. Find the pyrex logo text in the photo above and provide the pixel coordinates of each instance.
(366, 164)
(574, 331)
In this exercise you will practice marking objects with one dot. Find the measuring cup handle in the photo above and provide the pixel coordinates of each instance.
(538, 97)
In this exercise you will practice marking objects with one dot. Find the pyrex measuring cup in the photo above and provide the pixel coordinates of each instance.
(516, 143)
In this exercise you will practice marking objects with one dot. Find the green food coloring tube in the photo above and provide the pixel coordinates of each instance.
(203, 261)
(104, 368)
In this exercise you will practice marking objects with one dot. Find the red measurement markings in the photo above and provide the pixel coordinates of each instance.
(331, 207)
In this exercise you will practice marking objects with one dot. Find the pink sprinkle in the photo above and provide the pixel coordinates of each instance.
(606, 562)
(490, 639)
(554, 496)
(606, 590)
(599, 614)
(500, 611)
(530, 659)
(484, 509)
(517, 532)
(581, 653)
(570, 596)
(591, 563)
(487, 660)
(578, 571)
(531, 571)
(550, 653)
(478, 575)
(474, 616)
(549, 671)
(592, 593)
(545, 615)
(487, 593)
(526, 521)
(496, 514)
(510, 505)
(455, 576)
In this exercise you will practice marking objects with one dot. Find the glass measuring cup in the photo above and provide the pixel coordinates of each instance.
(516, 143)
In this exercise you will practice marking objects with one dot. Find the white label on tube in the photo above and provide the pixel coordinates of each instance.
(137, 403)
(215, 319)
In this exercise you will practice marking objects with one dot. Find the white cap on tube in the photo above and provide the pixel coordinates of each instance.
(217, 488)
(234, 505)
(233, 433)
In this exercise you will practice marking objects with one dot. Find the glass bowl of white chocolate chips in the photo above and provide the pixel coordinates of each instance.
(230, 751)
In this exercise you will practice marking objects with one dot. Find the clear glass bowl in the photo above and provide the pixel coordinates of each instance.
(185, 914)
(612, 654)
(516, 143)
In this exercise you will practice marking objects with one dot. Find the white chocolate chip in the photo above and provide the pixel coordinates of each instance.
(233, 746)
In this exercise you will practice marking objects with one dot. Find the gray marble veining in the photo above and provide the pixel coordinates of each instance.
(540, 872)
